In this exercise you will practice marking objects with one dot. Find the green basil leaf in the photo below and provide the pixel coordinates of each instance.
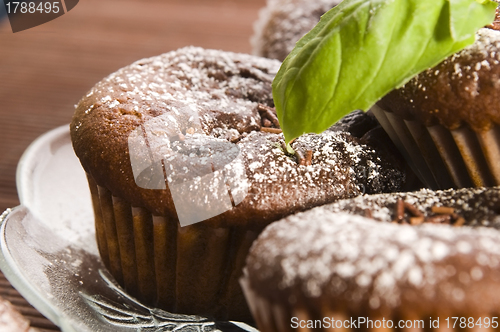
(362, 49)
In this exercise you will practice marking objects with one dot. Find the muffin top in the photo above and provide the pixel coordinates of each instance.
(283, 22)
(462, 90)
(346, 263)
(476, 206)
(173, 132)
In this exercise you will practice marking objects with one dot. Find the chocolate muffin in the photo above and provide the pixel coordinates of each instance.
(320, 270)
(187, 164)
(283, 22)
(446, 120)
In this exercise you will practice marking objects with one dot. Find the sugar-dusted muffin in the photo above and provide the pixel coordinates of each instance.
(187, 164)
(446, 120)
(283, 22)
(320, 270)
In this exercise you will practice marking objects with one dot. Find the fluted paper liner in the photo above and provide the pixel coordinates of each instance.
(277, 317)
(189, 270)
(445, 158)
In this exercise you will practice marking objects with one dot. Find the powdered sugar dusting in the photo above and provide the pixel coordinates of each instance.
(335, 170)
(486, 47)
(356, 259)
(190, 77)
(461, 91)
(478, 206)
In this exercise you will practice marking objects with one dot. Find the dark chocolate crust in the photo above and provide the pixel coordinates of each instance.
(330, 262)
(462, 90)
(477, 206)
(224, 90)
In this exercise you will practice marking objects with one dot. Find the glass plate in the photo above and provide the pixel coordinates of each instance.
(49, 254)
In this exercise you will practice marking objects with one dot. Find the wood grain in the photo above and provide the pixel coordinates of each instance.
(45, 70)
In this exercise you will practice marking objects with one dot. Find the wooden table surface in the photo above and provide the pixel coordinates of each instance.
(45, 70)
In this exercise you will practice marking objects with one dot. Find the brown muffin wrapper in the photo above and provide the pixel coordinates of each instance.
(273, 317)
(445, 158)
(190, 270)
